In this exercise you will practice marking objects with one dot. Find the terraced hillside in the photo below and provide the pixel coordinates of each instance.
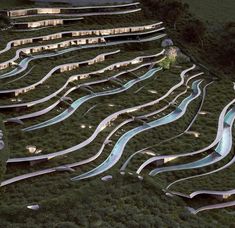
(104, 122)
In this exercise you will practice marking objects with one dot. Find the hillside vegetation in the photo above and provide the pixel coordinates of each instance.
(125, 200)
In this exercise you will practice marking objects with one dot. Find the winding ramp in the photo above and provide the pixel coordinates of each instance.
(101, 126)
(221, 151)
(118, 149)
(76, 77)
(212, 207)
(76, 104)
(79, 43)
(214, 143)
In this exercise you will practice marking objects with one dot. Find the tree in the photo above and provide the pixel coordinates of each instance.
(225, 47)
(170, 11)
(173, 11)
(194, 31)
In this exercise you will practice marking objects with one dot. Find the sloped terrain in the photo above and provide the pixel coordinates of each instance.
(106, 123)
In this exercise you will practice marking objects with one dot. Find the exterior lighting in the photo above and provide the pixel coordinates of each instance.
(132, 110)
(150, 153)
(202, 113)
(194, 133)
(103, 128)
(31, 149)
(169, 159)
(122, 173)
(169, 194)
(38, 151)
(83, 126)
(107, 178)
(140, 178)
(33, 207)
(152, 91)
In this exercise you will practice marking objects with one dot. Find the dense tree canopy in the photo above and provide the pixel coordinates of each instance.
(169, 10)
(194, 31)
(226, 45)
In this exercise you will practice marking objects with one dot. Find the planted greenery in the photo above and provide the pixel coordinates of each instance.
(125, 200)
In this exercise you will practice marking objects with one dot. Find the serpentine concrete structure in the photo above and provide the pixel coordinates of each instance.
(73, 78)
(32, 25)
(27, 88)
(76, 104)
(19, 13)
(217, 194)
(167, 158)
(78, 33)
(119, 12)
(121, 143)
(143, 151)
(164, 93)
(97, 41)
(2, 144)
(212, 207)
(102, 125)
(67, 166)
(221, 151)
(60, 68)
(23, 76)
(51, 107)
(56, 169)
(229, 164)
